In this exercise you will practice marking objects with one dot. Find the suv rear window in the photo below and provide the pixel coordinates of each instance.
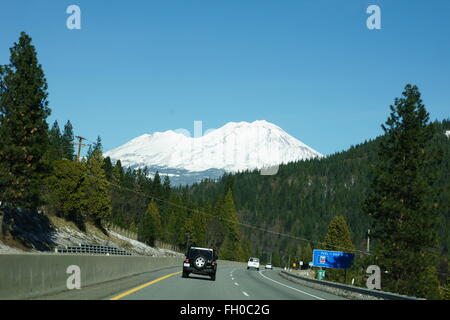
(195, 252)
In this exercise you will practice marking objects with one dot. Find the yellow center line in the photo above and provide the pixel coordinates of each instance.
(120, 296)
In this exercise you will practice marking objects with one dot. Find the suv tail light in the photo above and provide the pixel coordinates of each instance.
(186, 260)
(213, 263)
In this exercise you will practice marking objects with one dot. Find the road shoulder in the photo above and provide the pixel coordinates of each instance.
(109, 289)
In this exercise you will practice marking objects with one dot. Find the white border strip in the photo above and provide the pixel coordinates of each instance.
(282, 284)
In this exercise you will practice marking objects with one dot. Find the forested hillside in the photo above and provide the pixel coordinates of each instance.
(303, 197)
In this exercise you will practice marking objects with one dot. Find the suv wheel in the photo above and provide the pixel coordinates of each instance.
(200, 262)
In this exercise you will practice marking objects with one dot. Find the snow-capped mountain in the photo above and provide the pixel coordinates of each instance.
(237, 146)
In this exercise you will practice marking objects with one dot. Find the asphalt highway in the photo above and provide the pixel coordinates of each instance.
(232, 283)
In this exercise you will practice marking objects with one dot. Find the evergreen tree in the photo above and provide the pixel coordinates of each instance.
(276, 259)
(231, 248)
(306, 253)
(96, 188)
(89, 152)
(169, 222)
(97, 146)
(166, 187)
(119, 197)
(118, 173)
(402, 202)
(338, 238)
(188, 235)
(65, 195)
(157, 187)
(23, 127)
(67, 142)
(108, 168)
(55, 143)
(149, 229)
(215, 229)
(199, 224)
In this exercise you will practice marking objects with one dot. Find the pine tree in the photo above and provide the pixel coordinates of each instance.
(231, 248)
(67, 142)
(157, 187)
(23, 127)
(55, 143)
(108, 168)
(119, 196)
(97, 146)
(215, 229)
(199, 223)
(149, 229)
(276, 259)
(187, 237)
(96, 188)
(166, 187)
(65, 195)
(402, 202)
(117, 173)
(306, 253)
(170, 220)
(338, 238)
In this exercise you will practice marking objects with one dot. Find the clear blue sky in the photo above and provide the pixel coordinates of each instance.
(311, 67)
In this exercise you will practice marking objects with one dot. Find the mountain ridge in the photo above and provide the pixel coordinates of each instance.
(235, 147)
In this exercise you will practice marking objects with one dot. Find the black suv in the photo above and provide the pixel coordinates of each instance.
(200, 261)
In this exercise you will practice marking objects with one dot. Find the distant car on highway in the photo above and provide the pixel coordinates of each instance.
(201, 261)
(268, 266)
(253, 263)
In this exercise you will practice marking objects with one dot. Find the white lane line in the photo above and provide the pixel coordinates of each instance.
(245, 293)
(236, 284)
(282, 284)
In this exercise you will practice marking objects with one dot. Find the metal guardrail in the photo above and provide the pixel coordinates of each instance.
(364, 291)
(92, 249)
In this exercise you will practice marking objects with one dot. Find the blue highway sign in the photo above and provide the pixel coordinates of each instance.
(332, 259)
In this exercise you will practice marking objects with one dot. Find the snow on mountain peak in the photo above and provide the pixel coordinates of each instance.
(237, 146)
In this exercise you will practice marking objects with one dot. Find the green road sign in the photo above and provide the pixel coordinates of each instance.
(320, 274)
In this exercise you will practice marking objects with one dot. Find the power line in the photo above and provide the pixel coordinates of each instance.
(228, 220)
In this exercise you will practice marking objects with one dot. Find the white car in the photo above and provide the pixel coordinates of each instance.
(269, 266)
(253, 263)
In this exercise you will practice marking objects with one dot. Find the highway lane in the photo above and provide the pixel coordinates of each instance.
(231, 283)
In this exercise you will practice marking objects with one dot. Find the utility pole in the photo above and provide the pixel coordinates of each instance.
(368, 240)
(80, 144)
